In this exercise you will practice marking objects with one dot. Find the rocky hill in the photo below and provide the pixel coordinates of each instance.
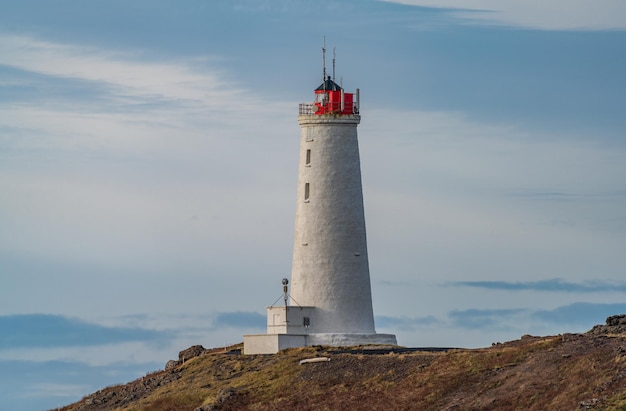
(564, 372)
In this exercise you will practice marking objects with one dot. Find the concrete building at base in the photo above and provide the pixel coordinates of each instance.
(330, 301)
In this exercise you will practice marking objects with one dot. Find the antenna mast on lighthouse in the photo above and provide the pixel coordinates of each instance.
(334, 57)
(324, 61)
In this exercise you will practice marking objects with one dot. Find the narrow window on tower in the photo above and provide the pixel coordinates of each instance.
(308, 158)
(306, 191)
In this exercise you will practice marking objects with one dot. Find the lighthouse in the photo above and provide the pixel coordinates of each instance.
(330, 267)
(330, 299)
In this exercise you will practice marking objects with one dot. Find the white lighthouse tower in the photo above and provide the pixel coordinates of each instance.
(330, 300)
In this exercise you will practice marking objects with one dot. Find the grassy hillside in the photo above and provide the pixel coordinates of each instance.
(565, 372)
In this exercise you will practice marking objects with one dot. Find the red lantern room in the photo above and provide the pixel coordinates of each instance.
(331, 99)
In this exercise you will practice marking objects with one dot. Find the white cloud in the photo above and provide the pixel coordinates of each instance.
(129, 75)
(145, 104)
(536, 14)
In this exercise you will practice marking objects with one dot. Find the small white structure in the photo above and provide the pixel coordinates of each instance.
(331, 299)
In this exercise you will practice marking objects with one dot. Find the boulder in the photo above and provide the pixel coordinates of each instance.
(616, 320)
(190, 352)
(171, 364)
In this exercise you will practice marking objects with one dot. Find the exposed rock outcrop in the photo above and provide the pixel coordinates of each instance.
(615, 324)
(190, 353)
(616, 320)
(221, 401)
(185, 355)
(170, 365)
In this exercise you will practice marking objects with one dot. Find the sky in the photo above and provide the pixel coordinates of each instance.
(148, 171)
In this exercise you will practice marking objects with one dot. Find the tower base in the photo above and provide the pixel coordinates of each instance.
(272, 343)
(349, 340)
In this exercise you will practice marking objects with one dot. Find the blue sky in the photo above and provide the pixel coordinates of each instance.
(148, 160)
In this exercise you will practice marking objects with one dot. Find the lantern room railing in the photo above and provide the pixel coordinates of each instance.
(306, 109)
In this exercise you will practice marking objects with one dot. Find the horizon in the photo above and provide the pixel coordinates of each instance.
(148, 166)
